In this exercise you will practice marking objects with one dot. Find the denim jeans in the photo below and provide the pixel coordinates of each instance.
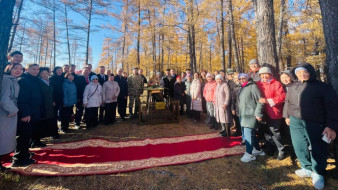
(250, 140)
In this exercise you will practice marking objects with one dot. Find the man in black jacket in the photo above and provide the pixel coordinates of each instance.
(311, 111)
(140, 72)
(30, 111)
(102, 79)
(72, 70)
(123, 96)
(91, 73)
(169, 82)
(80, 83)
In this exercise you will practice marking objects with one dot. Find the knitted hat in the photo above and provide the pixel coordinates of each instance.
(253, 61)
(209, 75)
(230, 71)
(93, 77)
(241, 75)
(300, 69)
(178, 77)
(219, 76)
(285, 72)
(265, 70)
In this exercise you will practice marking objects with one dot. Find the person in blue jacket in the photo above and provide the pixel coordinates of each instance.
(69, 100)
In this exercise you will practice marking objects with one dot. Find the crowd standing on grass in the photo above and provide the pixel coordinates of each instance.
(269, 113)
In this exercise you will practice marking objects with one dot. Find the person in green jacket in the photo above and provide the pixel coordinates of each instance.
(250, 111)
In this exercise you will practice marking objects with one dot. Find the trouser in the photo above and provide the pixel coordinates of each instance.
(210, 112)
(79, 113)
(204, 107)
(188, 104)
(196, 115)
(250, 140)
(91, 117)
(275, 126)
(67, 113)
(237, 125)
(57, 111)
(102, 109)
(305, 134)
(133, 98)
(110, 114)
(226, 129)
(24, 133)
(122, 106)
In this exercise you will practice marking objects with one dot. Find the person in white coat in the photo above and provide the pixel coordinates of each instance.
(111, 91)
(9, 109)
(92, 100)
(196, 97)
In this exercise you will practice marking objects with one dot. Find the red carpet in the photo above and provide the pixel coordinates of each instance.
(98, 156)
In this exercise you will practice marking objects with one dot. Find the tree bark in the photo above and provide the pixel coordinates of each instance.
(88, 29)
(67, 33)
(138, 32)
(15, 27)
(54, 33)
(229, 47)
(329, 9)
(125, 30)
(233, 36)
(280, 34)
(266, 40)
(222, 36)
(6, 14)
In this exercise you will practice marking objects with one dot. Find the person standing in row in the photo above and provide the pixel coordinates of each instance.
(196, 97)
(56, 81)
(234, 105)
(203, 82)
(140, 72)
(92, 100)
(110, 92)
(69, 100)
(208, 94)
(29, 104)
(135, 90)
(311, 110)
(15, 57)
(250, 112)
(102, 77)
(72, 70)
(188, 83)
(80, 82)
(123, 95)
(91, 73)
(179, 94)
(222, 103)
(254, 68)
(169, 82)
(9, 108)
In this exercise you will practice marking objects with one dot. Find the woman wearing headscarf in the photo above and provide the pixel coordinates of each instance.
(92, 99)
(250, 112)
(9, 108)
(311, 111)
(222, 102)
(286, 80)
(196, 97)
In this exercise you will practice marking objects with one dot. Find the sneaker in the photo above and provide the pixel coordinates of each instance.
(303, 173)
(258, 153)
(317, 181)
(248, 157)
(22, 163)
(281, 156)
(62, 131)
(77, 127)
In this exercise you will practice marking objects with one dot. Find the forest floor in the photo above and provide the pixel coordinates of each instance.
(223, 173)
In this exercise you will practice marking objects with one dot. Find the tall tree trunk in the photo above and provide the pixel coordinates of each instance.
(46, 50)
(138, 32)
(280, 34)
(125, 30)
(222, 36)
(210, 56)
(22, 37)
(229, 48)
(88, 29)
(15, 27)
(233, 36)
(54, 33)
(67, 33)
(266, 39)
(329, 9)
(6, 14)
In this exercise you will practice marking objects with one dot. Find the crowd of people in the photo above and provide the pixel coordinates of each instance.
(258, 105)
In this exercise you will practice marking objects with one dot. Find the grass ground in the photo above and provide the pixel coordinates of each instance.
(223, 173)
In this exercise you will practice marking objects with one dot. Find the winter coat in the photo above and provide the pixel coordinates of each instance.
(169, 82)
(179, 89)
(57, 83)
(8, 105)
(135, 85)
(92, 95)
(208, 91)
(274, 92)
(187, 87)
(47, 98)
(69, 93)
(30, 101)
(101, 79)
(222, 98)
(110, 89)
(234, 99)
(249, 106)
(123, 84)
(80, 83)
(196, 95)
(312, 101)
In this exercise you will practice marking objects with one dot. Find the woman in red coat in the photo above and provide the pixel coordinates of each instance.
(273, 99)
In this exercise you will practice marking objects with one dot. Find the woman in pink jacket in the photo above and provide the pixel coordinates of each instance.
(222, 105)
(273, 99)
(208, 94)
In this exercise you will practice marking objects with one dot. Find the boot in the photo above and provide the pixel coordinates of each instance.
(223, 131)
(131, 112)
(136, 111)
(213, 123)
(227, 129)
